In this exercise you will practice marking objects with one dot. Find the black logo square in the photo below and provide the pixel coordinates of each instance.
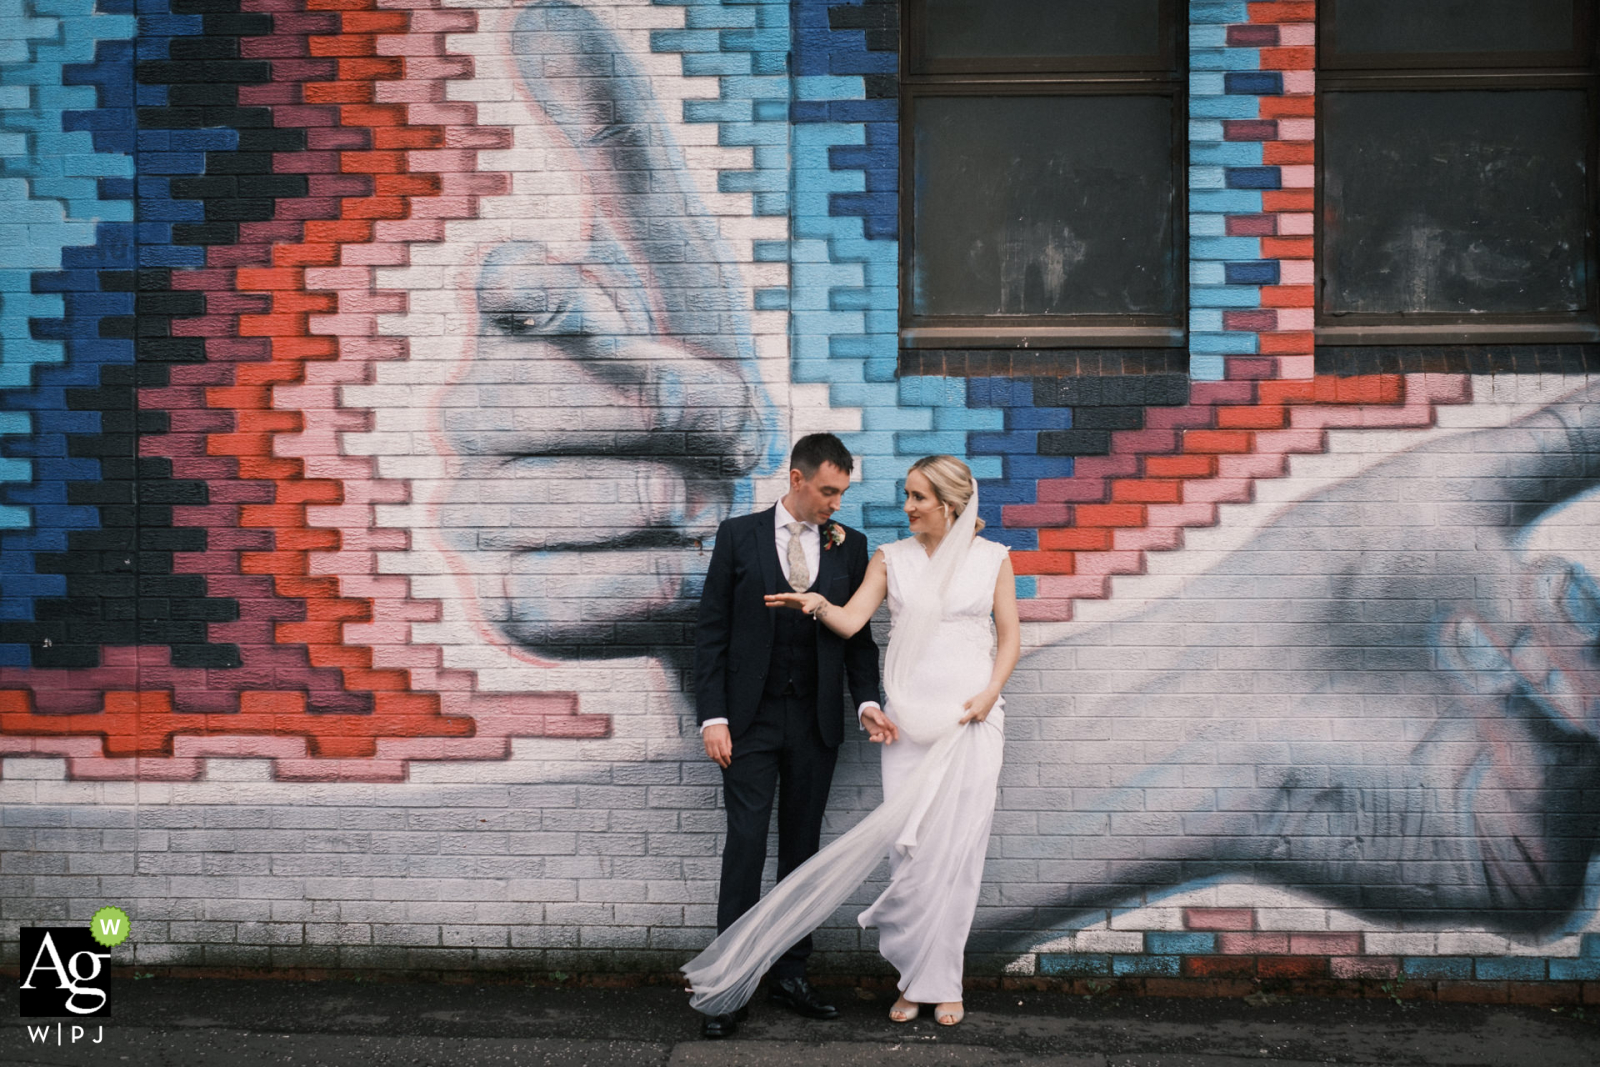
(63, 974)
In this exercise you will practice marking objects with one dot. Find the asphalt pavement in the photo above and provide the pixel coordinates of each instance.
(188, 1022)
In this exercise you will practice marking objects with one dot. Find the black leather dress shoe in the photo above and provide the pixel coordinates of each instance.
(797, 995)
(716, 1027)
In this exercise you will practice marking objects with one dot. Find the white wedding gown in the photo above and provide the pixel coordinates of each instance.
(939, 783)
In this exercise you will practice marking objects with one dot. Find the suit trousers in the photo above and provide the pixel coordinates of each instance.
(782, 755)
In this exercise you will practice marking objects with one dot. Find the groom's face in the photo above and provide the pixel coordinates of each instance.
(814, 499)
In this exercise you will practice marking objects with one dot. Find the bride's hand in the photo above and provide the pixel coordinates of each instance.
(806, 602)
(978, 707)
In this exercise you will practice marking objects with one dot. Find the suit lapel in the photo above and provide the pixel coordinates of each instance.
(767, 546)
(830, 564)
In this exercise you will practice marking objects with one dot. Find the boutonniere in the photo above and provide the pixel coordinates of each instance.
(832, 534)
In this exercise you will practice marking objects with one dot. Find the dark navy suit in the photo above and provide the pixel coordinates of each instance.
(778, 677)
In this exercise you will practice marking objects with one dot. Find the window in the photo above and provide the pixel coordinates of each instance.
(1456, 186)
(1042, 175)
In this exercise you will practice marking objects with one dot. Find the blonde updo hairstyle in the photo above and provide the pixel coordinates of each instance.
(951, 480)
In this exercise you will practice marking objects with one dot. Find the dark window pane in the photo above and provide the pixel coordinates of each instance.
(958, 29)
(1043, 205)
(1455, 202)
(1442, 26)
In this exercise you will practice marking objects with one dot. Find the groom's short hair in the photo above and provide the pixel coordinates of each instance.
(815, 449)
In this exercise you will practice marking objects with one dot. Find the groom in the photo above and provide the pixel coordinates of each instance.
(768, 688)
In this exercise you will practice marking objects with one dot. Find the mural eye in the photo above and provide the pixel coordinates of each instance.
(513, 324)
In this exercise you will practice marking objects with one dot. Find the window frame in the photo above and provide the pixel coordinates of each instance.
(1391, 72)
(1043, 76)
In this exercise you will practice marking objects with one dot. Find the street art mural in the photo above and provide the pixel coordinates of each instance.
(374, 377)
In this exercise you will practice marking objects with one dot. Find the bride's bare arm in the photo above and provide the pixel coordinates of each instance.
(846, 620)
(1008, 639)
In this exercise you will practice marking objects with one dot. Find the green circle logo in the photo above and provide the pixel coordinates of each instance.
(110, 926)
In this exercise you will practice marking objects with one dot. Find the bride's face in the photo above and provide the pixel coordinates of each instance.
(922, 507)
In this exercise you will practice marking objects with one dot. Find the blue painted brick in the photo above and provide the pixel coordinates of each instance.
(1257, 272)
(1436, 966)
(1589, 946)
(1254, 82)
(1146, 966)
(1164, 943)
(1254, 178)
(1583, 969)
(1073, 964)
(1510, 968)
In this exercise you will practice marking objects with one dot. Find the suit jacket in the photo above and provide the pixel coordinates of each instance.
(734, 630)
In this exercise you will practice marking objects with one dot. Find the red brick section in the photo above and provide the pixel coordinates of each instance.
(1187, 460)
(387, 162)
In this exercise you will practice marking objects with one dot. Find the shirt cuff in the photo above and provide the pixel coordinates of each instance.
(712, 722)
(865, 704)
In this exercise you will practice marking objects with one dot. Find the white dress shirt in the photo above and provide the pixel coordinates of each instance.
(811, 545)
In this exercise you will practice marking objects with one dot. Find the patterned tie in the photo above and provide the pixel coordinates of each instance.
(799, 573)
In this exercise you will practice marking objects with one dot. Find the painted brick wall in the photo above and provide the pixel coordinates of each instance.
(373, 377)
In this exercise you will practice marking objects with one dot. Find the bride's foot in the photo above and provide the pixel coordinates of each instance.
(903, 1011)
(949, 1014)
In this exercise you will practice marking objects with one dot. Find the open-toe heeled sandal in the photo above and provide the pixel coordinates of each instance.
(949, 1014)
(903, 1011)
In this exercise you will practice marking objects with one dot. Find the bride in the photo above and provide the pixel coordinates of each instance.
(943, 742)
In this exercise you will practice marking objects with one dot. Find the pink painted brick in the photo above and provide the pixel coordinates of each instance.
(1297, 34)
(1364, 966)
(1296, 224)
(1176, 515)
(1036, 515)
(1297, 367)
(1297, 129)
(1325, 944)
(1297, 318)
(1071, 490)
(1152, 539)
(1439, 388)
(1252, 465)
(1295, 441)
(1216, 491)
(1075, 586)
(1219, 918)
(1297, 271)
(1144, 441)
(1253, 944)
(1203, 393)
(1042, 610)
(1113, 562)
(1108, 466)
(1184, 418)
(1299, 81)
(1299, 177)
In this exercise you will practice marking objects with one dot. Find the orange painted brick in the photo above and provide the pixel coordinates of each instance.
(342, 92)
(1282, 11)
(412, 137)
(271, 325)
(1180, 466)
(1288, 200)
(1289, 343)
(1075, 539)
(346, 44)
(308, 540)
(301, 348)
(338, 5)
(1288, 107)
(372, 115)
(1287, 248)
(1110, 515)
(371, 69)
(1287, 392)
(1298, 58)
(340, 232)
(1245, 418)
(1281, 153)
(376, 22)
(1292, 966)
(1146, 491)
(269, 278)
(375, 207)
(302, 304)
(1218, 441)
(1361, 389)
(372, 162)
(303, 255)
(1043, 562)
(408, 185)
(1287, 296)
(1219, 966)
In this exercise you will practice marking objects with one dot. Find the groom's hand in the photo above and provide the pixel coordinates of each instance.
(719, 744)
(878, 726)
